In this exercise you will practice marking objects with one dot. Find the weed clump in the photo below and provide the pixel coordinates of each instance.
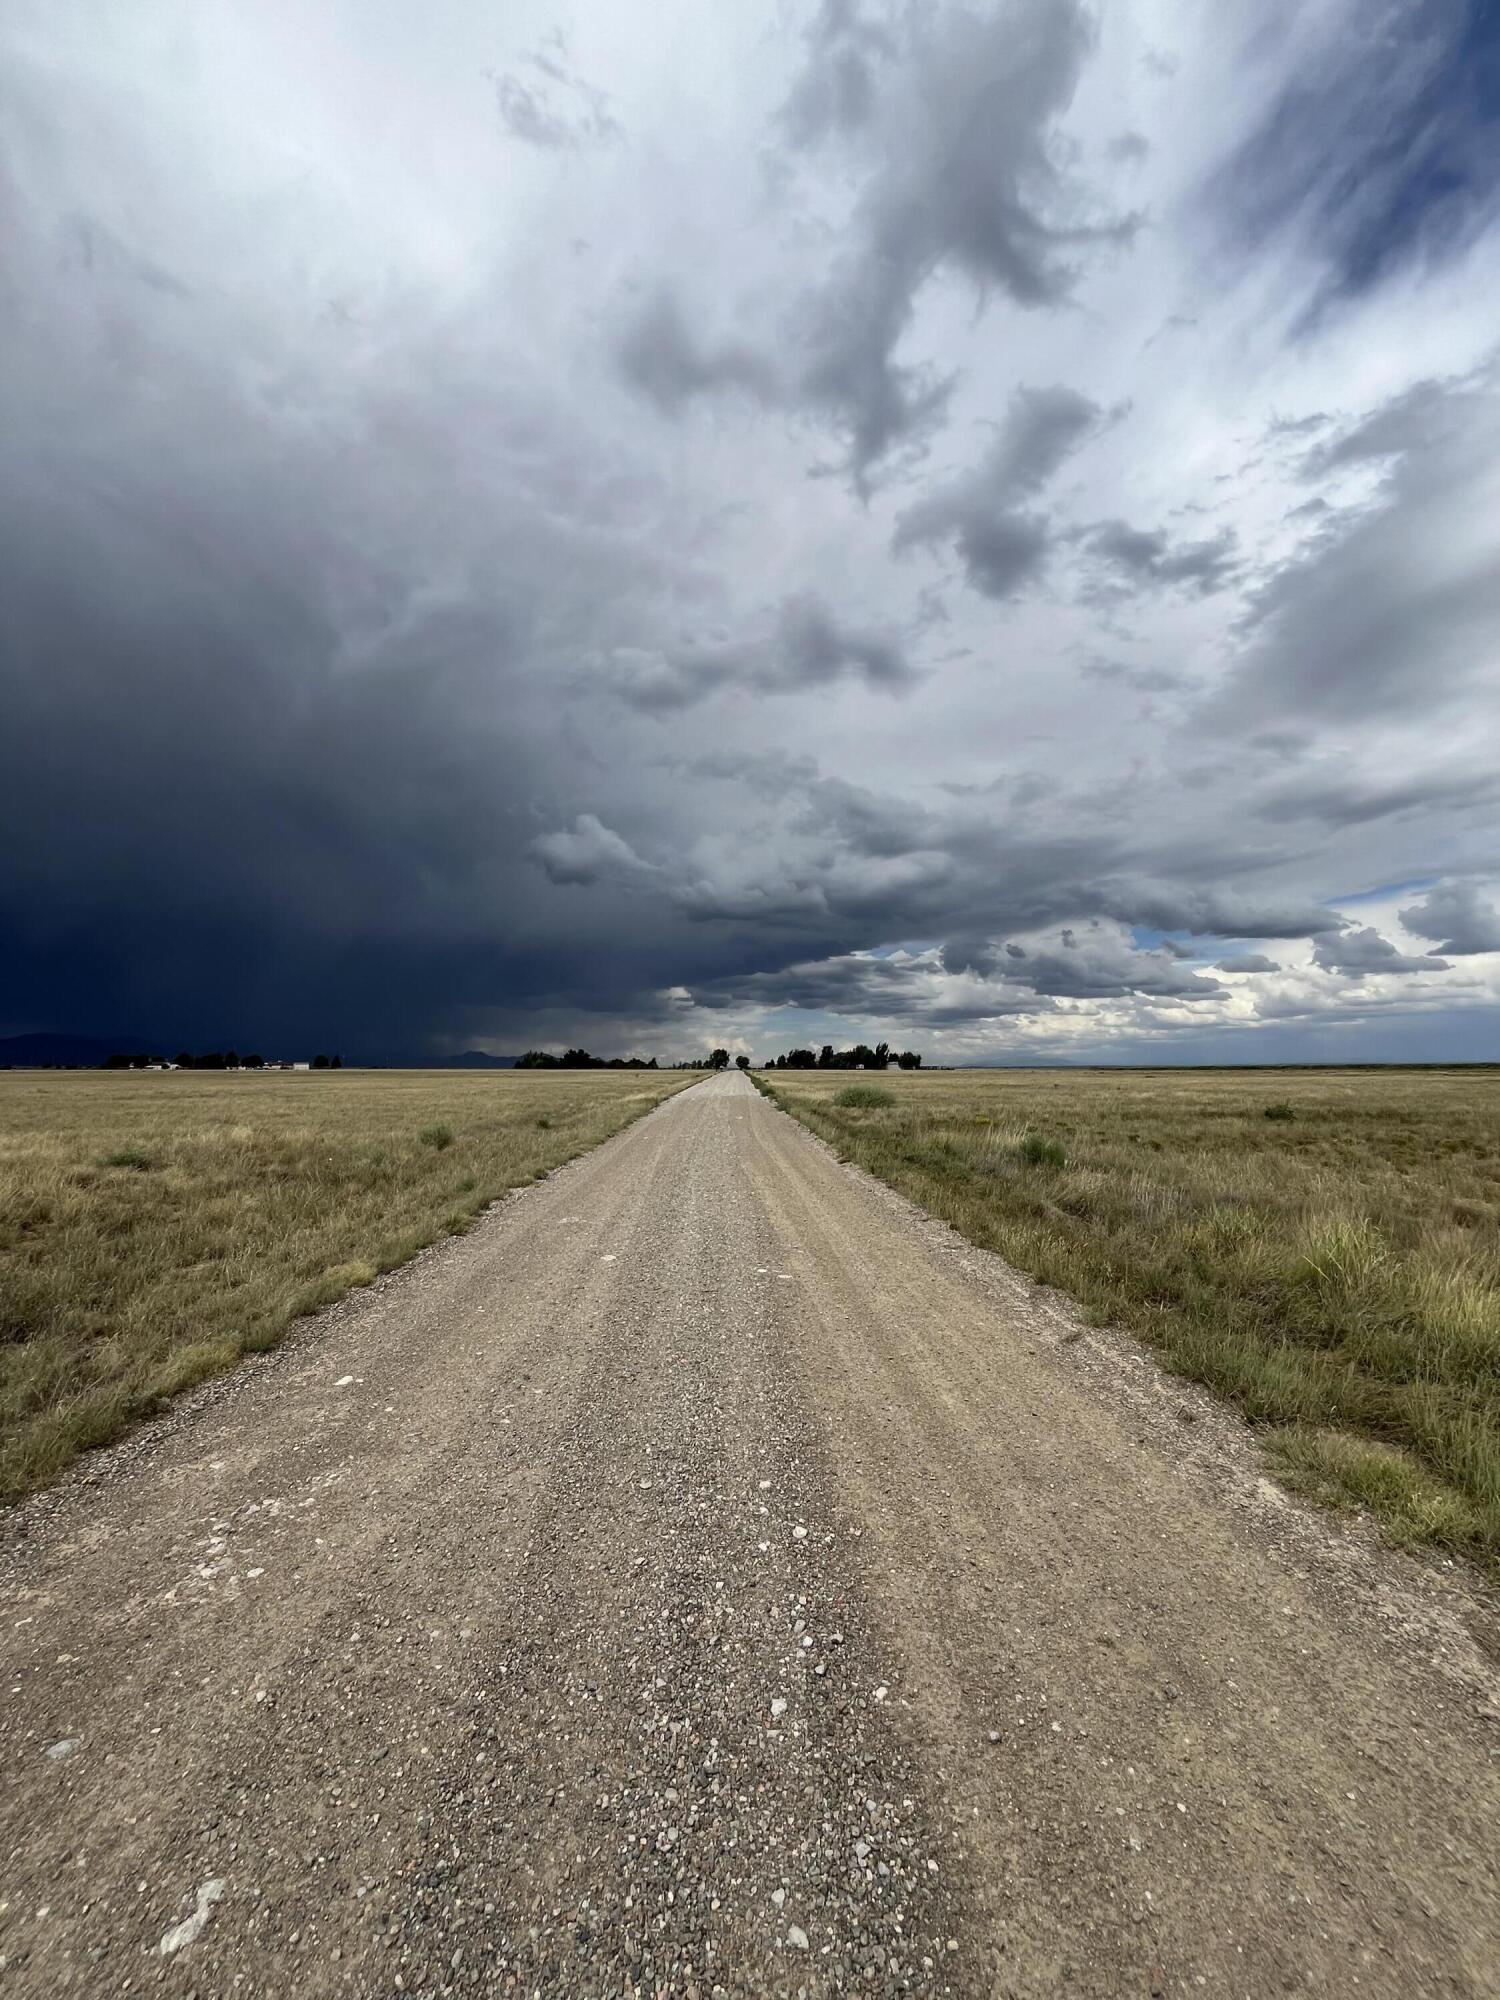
(134, 1157)
(1035, 1151)
(862, 1097)
(1281, 1111)
(439, 1137)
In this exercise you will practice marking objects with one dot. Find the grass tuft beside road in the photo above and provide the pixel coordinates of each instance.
(153, 1228)
(1321, 1248)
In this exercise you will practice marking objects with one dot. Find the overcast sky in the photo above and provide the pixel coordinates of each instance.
(664, 525)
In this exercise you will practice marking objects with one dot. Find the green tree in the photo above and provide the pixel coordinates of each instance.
(719, 1059)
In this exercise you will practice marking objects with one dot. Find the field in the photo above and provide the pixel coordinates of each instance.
(156, 1226)
(1322, 1248)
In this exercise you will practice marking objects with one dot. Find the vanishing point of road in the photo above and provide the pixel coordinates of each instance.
(709, 1576)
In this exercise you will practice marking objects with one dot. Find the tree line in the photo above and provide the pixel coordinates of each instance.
(861, 1056)
(579, 1059)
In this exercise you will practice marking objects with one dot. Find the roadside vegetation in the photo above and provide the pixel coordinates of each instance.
(154, 1227)
(1322, 1248)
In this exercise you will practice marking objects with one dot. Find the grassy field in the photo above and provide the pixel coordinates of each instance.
(1322, 1248)
(154, 1227)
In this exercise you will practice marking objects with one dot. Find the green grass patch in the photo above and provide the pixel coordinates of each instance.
(863, 1097)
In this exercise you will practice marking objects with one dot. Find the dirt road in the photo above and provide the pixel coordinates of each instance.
(710, 1576)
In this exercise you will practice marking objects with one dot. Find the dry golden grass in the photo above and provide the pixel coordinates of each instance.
(1321, 1247)
(154, 1227)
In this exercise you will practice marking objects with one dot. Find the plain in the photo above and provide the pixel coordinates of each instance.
(1320, 1247)
(156, 1226)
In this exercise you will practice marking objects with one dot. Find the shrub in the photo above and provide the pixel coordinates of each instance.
(1039, 1152)
(1280, 1111)
(862, 1097)
(439, 1137)
(129, 1156)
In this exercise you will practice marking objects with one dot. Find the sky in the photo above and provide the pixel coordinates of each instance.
(972, 525)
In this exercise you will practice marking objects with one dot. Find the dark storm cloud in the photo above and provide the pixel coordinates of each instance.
(899, 992)
(1335, 794)
(1209, 909)
(806, 648)
(587, 852)
(947, 116)
(1381, 149)
(1100, 963)
(661, 356)
(1002, 547)
(980, 955)
(1457, 915)
(837, 857)
(1147, 557)
(1247, 961)
(1358, 952)
(374, 670)
(1392, 610)
(287, 603)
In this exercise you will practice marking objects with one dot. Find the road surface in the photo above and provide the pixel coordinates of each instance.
(709, 1576)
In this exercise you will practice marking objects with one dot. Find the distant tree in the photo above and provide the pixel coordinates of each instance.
(337, 1063)
(801, 1059)
(253, 1062)
(184, 1060)
(882, 1055)
(719, 1059)
(781, 1062)
(909, 1059)
(320, 1062)
(825, 1056)
(231, 1060)
(117, 1061)
(742, 1062)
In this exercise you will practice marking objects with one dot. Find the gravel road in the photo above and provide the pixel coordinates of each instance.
(711, 1576)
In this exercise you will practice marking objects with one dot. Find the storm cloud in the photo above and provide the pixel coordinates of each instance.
(727, 526)
(1457, 914)
(1001, 546)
